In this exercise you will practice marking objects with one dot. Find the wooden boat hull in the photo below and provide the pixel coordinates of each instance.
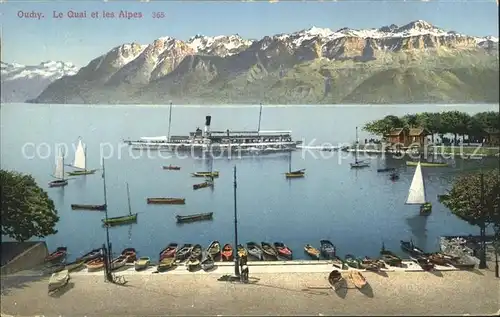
(88, 207)
(172, 168)
(184, 252)
(426, 164)
(74, 266)
(90, 256)
(82, 172)
(167, 201)
(338, 262)
(169, 252)
(255, 250)
(193, 264)
(131, 254)
(358, 279)
(334, 278)
(142, 264)
(202, 185)
(58, 183)
(196, 252)
(166, 264)
(95, 265)
(283, 251)
(208, 264)
(359, 165)
(294, 175)
(214, 250)
(327, 249)
(193, 218)
(411, 249)
(58, 255)
(119, 262)
(352, 262)
(205, 174)
(116, 221)
(269, 251)
(242, 252)
(58, 280)
(391, 259)
(227, 253)
(312, 252)
(388, 169)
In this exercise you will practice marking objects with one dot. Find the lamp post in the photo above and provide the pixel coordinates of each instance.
(482, 233)
(108, 244)
(235, 249)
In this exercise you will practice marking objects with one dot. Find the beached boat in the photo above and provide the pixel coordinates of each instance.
(95, 264)
(411, 249)
(90, 255)
(80, 162)
(465, 262)
(166, 200)
(334, 278)
(327, 249)
(142, 263)
(357, 279)
(387, 169)
(59, 181)
(208, 263)
(197, 252)
(169, 252)
(74, 266)
(195, 217)
(372, 264)
(184, 252)
(357, 163)
(172, 168)
(439, 258)
(390, 258)
(57, 256)
(255, 250)
(131, 254)
(213, 174)
(338, 262)
(423, 261)
(416, 193)
(312, 251)
(283, 250)
(242, 252)
(58, 280)
(119, 262)
(166, 264)
(203, 185)
(214, 250)
(227, 252)
(426, 164)
(88, 207)
(269, 252)
(351, 261)
(193, 264)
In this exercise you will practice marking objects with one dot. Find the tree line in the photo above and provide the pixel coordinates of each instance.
(440, 123)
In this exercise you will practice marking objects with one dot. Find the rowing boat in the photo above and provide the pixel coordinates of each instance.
(184, 252)
(120, 220)
(142, 263)
(195, 217)
(131, 254)
(95, 264)
(197, 252)
(357, 279)
(390, 258)
(255, 250)
(57, 256)
(205, 174)
(327, 249)
(202, 185)
(312, 251)
(58, 280)
(337, 262)
(335, 277)
(193, 264)
(208, 263)
(411, 249)
(214, 250)
(119, 262)
(227, 252)
(242, 252)
(426, 164)
(171, 167)
(283, 250)
(90, 256)
(351, 261)
(169, 251)
(88, 207)
(167, 201)
(269, 251)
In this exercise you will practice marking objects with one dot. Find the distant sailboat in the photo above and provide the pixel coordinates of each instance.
(416, 193)
(358, 164)
(80, 162)
(294, 174)
(59, 172)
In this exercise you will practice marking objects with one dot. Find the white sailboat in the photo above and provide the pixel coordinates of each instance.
(80, 162)
(59, 172)
(358, 164)
(294, 174)
(416, 193)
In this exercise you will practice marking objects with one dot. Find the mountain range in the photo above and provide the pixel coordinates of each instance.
(414, 63)
(20, 83)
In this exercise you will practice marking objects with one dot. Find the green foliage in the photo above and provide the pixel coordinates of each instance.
(455, 122)
(27, 210)
(474, 203)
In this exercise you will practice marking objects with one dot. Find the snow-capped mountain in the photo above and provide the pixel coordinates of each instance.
(173, 66)
(20, 82)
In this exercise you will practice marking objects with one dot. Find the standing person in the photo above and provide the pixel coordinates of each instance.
(244, 269)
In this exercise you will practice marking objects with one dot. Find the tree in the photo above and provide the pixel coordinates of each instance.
(475, 198)
(384, 126)
(27, 210)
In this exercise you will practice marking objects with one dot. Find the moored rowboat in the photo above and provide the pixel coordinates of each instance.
(227, 252)
(195, 217)
(312, 251)
(131, 254)
(334, 278)
(88, 207)
(95, 264)
(255, 250)
(202, 185)
(269, 251)
(166, 200)
(57, 255)
(214, 250)
(426, 164)
(327, 249)
(172, 167)
(142, 263)
(283, 250)
(205, 174)
(242, 252)
(357, 279)
(119, 262)
(121, 220)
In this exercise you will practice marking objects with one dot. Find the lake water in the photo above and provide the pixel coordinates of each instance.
(356, 209)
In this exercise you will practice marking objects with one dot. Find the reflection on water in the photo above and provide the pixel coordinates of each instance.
(418, 229)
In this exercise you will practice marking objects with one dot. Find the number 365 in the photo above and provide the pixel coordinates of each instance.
(159, 15)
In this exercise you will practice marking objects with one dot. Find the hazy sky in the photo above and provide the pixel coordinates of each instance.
(31, 40)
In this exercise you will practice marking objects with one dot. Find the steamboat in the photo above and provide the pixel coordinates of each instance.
(220, 141)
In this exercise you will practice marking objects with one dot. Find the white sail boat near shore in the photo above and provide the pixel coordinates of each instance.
(59, 172)
(80, 162)
(416, 193)
(358, 164)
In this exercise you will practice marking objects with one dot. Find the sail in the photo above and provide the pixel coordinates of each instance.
(59, 172)
(79, 156)
(416, 194)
